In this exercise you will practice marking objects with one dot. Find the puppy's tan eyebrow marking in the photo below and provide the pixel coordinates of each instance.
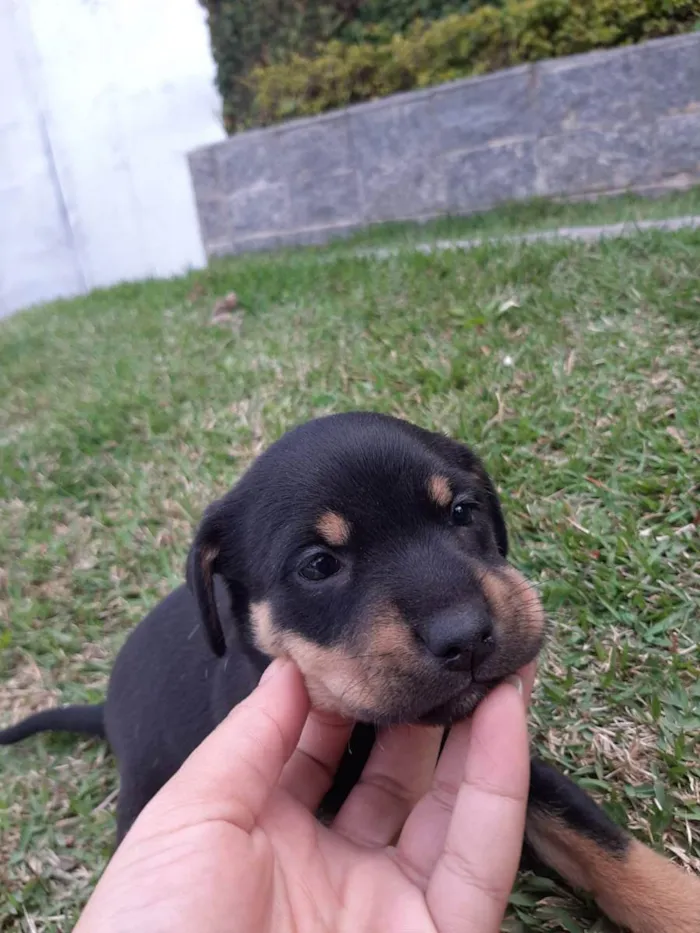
(439, 490)
(334, 529)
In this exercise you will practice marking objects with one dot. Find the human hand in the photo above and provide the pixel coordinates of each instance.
(231, 842)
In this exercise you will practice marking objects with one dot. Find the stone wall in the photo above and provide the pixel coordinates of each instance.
(626, 119)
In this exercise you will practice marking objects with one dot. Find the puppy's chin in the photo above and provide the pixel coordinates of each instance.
(458, 708)
(447, 713)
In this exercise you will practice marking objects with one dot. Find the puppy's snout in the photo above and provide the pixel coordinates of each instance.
(461, 639)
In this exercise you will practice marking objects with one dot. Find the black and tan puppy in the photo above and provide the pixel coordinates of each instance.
(374, 554)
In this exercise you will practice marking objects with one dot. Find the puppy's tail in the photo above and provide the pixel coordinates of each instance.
(88, 720)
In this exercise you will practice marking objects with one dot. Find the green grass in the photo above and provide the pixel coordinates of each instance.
(538, 214)
(572, 368)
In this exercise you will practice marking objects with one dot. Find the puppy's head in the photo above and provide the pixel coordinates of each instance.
(373, 554)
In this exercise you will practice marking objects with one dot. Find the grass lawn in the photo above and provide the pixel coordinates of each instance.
(572, 368)
(531, 215)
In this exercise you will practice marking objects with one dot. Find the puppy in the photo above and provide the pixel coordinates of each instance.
(374, 554)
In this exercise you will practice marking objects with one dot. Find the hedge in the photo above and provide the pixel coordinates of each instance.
(457, 46)
(246, 33)
(379, 20)
(249, 33)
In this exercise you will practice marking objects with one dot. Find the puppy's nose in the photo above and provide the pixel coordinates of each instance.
(461, 640)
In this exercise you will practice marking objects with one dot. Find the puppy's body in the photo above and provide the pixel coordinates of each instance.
(161, 705)
(206, 689)
(374, 554)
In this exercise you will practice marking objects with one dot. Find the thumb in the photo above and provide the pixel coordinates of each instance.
(231, 775)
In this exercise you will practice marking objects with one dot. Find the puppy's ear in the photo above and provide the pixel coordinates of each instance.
(465, 459)
(203, 563)
(495, 511)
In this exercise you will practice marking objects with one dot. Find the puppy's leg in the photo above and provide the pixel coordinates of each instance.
(129, 804)
(134, 793)
(637, 888)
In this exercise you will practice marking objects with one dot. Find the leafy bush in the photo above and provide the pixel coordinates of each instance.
(374, 20)
(249, 33)
(246, 33)
(459, 45)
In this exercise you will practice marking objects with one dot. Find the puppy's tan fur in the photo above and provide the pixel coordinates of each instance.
(440, 491)
(639, 890)
(334, 529)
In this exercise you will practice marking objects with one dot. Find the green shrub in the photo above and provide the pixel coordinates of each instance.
(246, 33)
(374, 20)
(459, 45)
(249, 33)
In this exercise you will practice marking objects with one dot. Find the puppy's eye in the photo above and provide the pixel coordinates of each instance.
(463, 513)
(320, 567)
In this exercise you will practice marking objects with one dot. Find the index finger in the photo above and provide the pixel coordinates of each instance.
(473, 877)
(310, 771)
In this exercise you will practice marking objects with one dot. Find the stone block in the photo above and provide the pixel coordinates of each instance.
(602, 89)
(401, 190)
(671, 70)
(325, 199)
(204, 172)
(214, 218)
(469, 114)
(678, 145)
(248, 158)
(313, 149)
(264, 206)
(484, 177)
(593, 160)
(392, 133)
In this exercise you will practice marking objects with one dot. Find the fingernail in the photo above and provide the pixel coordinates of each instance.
(272, 669)
(516, 682)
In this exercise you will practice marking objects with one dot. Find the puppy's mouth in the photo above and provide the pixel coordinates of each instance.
(458, 707)
(449, 711)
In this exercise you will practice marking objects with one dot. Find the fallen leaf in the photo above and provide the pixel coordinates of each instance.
(507, 305)
(678, 436)
(227, 303)
(685, 530)
(196, 292)
(500, 413)
(577, 526)
(597, 482)
(225, 319)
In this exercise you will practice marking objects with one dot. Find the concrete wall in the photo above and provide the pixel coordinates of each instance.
(100, 100)
(603, 122)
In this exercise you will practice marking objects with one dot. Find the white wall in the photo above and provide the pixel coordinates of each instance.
(99, 102)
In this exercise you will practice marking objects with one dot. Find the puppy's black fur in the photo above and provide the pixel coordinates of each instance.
(373, 553)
